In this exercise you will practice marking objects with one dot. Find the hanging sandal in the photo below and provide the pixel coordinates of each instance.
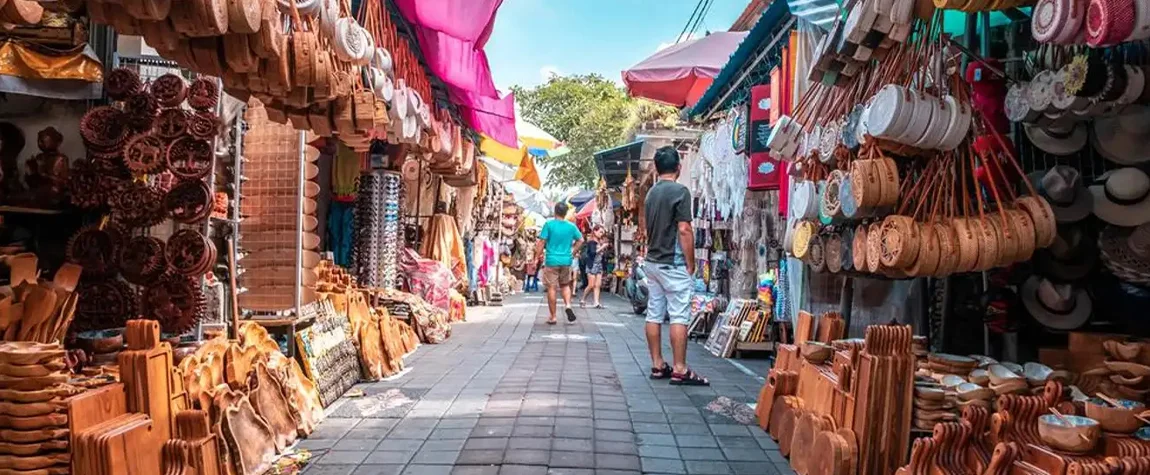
(690, 378)
(661, 373)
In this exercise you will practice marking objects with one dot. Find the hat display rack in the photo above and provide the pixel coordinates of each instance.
(151, 151)
(899, 172)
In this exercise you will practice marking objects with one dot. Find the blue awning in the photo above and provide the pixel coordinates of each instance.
(756, 39)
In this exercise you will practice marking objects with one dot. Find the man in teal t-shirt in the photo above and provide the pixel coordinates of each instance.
(558, 242)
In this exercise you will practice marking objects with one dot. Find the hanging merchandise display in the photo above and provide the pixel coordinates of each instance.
(375, 244)
(444, 244)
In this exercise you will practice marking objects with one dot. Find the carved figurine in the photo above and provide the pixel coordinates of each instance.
(47, 175)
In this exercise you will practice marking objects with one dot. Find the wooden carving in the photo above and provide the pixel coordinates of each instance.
(267, 397)
(250, 439)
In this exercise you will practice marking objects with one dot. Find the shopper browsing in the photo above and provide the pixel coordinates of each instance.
(670, 265)
(558, 242)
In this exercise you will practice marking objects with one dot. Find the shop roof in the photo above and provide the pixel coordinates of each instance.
(764, 30)
(613, 163)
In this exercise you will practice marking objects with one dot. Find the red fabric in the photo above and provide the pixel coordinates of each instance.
(675, 75)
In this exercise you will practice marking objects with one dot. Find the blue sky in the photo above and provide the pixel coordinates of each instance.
(534, 37)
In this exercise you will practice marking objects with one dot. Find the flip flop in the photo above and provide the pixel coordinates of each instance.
(570, 314)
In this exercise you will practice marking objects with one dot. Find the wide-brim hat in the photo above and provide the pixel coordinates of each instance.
(1056, 306)
(1071, 257)
(1126, 252)
(1058, 142)
(1122, 197)
(1122, 139)
(1069, 199)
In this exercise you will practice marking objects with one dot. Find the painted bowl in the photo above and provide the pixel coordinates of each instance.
(1121, 420)
(1080, 435)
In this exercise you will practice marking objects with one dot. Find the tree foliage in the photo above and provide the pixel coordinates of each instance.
(589, 114)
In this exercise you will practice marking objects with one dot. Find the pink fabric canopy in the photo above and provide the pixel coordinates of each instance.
(452, 34)
(678, 75)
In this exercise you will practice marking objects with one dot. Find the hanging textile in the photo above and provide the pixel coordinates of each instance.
(444, 244)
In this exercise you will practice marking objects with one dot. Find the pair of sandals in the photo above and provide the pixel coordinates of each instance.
(584, 305)
(570, 316)
(690, 378)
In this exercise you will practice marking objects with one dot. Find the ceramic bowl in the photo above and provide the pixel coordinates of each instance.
(999, 374)
(1036, 373)
(1143, 433)
(1080, 435)
(98, 342)
(816, 352)
(1121, 420)
(951, 381)
(1013, 367)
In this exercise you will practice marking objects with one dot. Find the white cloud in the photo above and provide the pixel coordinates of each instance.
(547, 71)
(663, 46)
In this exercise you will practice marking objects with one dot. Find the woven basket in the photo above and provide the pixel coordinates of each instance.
(319, 116)
(888, 176)
(303, 46)
(874, 248)
(833, 252)
(901, 238)
(244, 16)
(815, 255)
(859, 248)
(324, 88)
(987, 243)
(947, 249)
(804, 230)
(1007, 240)
(239, 55)
(829, 205)
(865, 184)
(848, 243)
(968, 250)
(926, 263)
(1045, 226)
(343, 116)
(1025, 237)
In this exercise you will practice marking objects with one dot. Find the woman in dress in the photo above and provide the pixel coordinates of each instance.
(596, 246)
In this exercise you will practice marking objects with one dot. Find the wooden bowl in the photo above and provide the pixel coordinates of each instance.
(1000, 374)
(950, 381)
(1036, 373)
(1080, 436)
(929, 393)
(971, 391)
(1121, 420)
(97, 342)
(816, 352)
(979, 376)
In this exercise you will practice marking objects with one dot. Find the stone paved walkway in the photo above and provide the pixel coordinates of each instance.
(510, 395)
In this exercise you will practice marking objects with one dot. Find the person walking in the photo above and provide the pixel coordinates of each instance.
(596, 246)
(670, 267)
(558, 242)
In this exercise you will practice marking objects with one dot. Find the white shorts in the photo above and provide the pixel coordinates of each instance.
(670, 289)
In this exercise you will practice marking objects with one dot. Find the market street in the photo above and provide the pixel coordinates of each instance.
(510, 395)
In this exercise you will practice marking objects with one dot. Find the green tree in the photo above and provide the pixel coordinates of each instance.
(589, 114)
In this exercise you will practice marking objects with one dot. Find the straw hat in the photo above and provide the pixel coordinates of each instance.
(947, 249)
(1070, 258)
(1122, 139)
(1055, 140)
(1062, 187)
(1126, 252)
(859, 249)
(1056, 306)
(1123, 197)
(833, 252)
(804, 230)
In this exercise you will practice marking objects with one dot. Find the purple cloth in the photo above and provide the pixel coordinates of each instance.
(452, 34)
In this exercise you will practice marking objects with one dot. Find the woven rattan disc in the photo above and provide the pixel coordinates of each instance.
(888, 175)
(865, 185)
(928, 253)
(987, 243)
(947, 249)
(829, 205)
(803, 232)
(1025, 229)
(244, 16)
(815, 255)
(900, 241)
(848, 242)
(859, 248)
(1045, 226)
(967, 244)
(1007, 239)
(833, 250)
(874, 248)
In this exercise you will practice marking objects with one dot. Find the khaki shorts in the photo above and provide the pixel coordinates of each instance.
(557, 276)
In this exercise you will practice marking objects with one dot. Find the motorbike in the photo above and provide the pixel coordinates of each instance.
(636, 289)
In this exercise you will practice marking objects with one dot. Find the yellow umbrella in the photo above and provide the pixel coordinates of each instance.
(532, 141)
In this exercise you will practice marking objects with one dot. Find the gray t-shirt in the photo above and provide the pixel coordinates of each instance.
(668, 204)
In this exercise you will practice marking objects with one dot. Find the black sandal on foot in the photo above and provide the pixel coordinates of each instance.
(661, 373)
(570, 314)
(690, 378)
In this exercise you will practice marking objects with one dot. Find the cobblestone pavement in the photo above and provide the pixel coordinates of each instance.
(509, 395)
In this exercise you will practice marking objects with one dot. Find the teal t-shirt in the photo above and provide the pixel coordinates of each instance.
(558, 236)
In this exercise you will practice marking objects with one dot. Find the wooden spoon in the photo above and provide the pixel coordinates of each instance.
(23, 268)
(39, 302)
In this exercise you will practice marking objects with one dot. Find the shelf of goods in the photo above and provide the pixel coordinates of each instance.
(151, 152)
(896, 177)
(376, 244)
(329, 354)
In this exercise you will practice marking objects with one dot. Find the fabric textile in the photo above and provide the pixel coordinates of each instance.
(667, 204)
(558, 236)
(340, 227)
(670, 288)
(554, 277)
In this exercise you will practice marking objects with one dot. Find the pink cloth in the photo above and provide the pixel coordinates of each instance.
(680, 74)
(452, 34)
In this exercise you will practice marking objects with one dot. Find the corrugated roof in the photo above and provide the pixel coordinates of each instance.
(747, 19)
(756, 39)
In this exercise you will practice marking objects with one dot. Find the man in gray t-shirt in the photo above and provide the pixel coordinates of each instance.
(670, 267)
